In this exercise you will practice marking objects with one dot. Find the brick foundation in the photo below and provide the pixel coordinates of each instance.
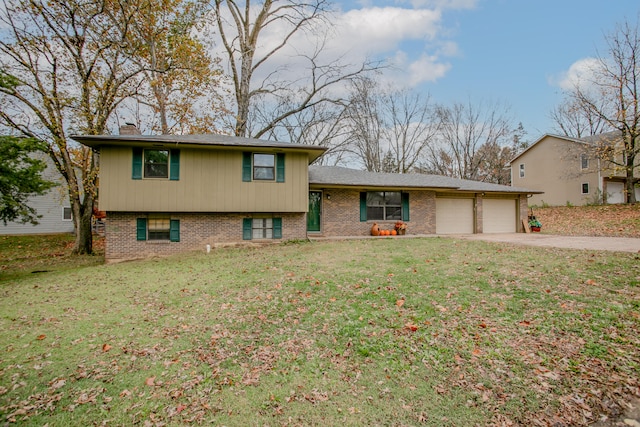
(196, 231)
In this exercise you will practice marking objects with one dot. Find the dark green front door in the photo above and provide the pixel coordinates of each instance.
(313, 217)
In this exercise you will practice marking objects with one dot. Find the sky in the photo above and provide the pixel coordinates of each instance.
(518, 53)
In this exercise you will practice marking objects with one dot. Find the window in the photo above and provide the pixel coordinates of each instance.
(158, 228)
(585, 188)
(66, 214)
(521, 170)
(262, 167)
(156, 164)
(261, 228)
(384, 205)
(584, 161)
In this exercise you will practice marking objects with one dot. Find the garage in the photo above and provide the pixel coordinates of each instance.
(615, 192)
(454, 215)
(499, 216)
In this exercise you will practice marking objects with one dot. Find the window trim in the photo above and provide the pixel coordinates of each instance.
(143, 229)
(65, 208)
(248, 174)
(404, 206)
(272, 169)
(584, 159)
(138, 167)
(247, 228)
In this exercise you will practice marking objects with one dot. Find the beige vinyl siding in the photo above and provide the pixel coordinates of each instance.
(553, 165)
(210, 181)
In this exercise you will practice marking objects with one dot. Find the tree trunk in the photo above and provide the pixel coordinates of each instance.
(630, 182)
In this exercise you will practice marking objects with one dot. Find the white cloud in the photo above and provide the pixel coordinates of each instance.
(579, 73)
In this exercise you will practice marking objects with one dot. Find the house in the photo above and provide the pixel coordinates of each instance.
(165, 194)
(53, 207)
(568, 172)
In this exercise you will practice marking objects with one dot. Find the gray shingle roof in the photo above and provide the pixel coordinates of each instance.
(339, 176)
(202, 140)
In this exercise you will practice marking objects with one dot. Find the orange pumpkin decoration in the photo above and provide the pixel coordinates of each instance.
(375, 230)
(394, 232)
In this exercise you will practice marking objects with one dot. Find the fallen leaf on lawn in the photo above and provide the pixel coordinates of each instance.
(106, 347)
(58, 384)
(151, 381)
(41, 337)
(476, 352)
(524, 323)
(411, 327)
(400, 303)
(125, 393)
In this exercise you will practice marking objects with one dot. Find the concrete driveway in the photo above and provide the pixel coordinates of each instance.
(619, 244)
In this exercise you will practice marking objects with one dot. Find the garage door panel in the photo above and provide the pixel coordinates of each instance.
(454, 216)
(499, 216)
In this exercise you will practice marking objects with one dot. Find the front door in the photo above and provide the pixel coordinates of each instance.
(313, 217)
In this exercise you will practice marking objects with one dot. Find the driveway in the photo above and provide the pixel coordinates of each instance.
(619, 244)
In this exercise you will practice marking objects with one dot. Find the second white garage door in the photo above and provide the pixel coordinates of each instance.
(454, 216)
(499, 216)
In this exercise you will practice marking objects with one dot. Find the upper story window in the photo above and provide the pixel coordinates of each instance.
(584, 161)
(263, 167)
(521, 170)
(155, 163)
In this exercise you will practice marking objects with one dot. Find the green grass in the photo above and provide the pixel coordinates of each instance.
(382, 332)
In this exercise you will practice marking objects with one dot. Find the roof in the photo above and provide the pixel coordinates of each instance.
(202, 140)
(345, 177)
(606, 137)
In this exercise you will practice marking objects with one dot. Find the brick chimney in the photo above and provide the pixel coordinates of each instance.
(129, 129)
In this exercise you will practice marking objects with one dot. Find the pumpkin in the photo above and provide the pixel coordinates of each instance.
(375, 230)
(394, 232)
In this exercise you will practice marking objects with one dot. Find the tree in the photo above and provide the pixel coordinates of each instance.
(389, 128)
(463, 130)
(20, 178)
(71, 74)
(178, 73)
(612, 95)
(240, 28)
(573, 120)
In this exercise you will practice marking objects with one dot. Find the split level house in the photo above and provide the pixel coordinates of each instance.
(568, 171)
(166, 194)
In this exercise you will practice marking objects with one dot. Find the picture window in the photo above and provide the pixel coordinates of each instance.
(384, 205)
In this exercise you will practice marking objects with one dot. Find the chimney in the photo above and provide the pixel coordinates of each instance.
(129, 129)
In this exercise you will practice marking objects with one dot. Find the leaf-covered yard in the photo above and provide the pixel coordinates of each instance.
(403, 332)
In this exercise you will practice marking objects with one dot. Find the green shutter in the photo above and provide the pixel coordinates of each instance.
(405, 206)
(136, 169)
(174, 230)
(141, 229)
(280, 167)
(363, 206)
(246, 166)
(174, 165)
(277, 228)
(246, 228)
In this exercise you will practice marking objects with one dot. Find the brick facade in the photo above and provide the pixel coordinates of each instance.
(341, 214)
(197, 230)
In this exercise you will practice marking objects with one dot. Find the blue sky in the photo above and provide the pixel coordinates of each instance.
(516, 52)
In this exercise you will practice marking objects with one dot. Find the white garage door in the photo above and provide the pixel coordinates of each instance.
(454, 216)
(615, 192)
(498, 216)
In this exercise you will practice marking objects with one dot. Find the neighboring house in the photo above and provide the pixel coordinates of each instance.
(568, 172)
(167, 194)
(53, 206)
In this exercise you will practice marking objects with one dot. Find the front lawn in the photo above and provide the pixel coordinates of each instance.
(403, 332)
